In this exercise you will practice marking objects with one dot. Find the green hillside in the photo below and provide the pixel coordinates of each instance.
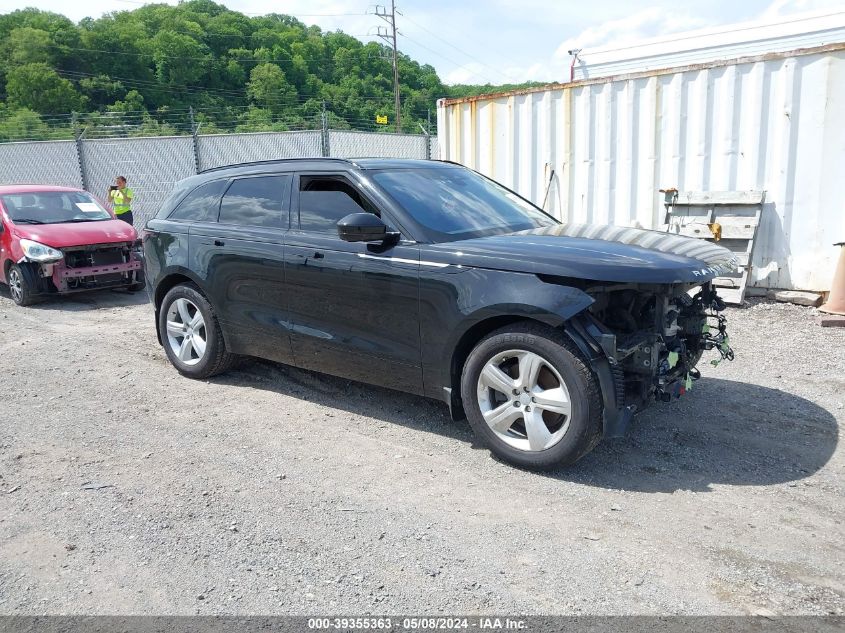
(141, 72)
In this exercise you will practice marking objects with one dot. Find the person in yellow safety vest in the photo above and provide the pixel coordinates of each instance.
(121, 198)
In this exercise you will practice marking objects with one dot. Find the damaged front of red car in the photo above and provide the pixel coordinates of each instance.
(58, 240)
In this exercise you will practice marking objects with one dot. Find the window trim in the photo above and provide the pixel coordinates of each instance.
(332, 175)
(283, 226)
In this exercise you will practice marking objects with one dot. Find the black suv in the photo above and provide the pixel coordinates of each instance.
(430, 278)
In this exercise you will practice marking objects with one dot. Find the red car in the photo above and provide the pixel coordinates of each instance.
(60, 240)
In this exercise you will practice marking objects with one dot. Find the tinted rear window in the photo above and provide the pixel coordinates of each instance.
(202, 204)
(257, 201)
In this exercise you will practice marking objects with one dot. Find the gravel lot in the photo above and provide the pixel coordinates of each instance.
(127, 489)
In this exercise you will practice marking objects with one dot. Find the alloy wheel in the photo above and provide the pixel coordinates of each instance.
(186, 331)
(15, 285)
(524, 400)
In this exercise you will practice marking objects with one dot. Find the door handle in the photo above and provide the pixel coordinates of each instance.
(219, 243)
(318, 255)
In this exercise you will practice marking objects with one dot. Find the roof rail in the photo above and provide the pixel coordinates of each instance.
(274, 161)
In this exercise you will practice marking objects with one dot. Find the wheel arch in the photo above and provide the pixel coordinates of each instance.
(616, 415)
(508, 298)
(166, 283)
(471, 337)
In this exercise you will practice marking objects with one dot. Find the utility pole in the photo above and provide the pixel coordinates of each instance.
(389, 36)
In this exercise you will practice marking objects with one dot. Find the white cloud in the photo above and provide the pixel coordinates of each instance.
(780, 8)
(646, 23)
(465, 74)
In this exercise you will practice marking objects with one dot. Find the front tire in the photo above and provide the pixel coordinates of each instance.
(22, 284)
(139, 283)
(531, 398)
(191, 334)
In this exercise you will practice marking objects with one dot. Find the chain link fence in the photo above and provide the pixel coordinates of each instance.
(40, 163)
(344, 144)
(152, 165)
(226, 149)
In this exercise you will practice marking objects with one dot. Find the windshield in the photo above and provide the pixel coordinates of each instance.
(53, 207)
(457, 204)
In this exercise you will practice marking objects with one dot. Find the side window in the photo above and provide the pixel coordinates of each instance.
(201, 204)
(323, 200)
(256, 201)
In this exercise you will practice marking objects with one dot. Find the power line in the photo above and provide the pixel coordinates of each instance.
(198, 89)
(154, 56)
(451, 61)
(475, 59)
(250, 36)
(305, 15)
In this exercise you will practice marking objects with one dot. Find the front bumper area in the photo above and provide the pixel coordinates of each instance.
(95, 276)
(655, 357)
(89, 267)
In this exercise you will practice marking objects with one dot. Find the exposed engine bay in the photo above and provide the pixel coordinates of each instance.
(654, 336)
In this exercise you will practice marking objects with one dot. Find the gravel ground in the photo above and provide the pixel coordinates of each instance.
(126, 489)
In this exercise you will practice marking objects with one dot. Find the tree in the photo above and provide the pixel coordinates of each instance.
(179, 59)
(139, 67)
(269, 89)
(101, 89)
(22, 124)
(131, 107)
(26, 45)
(39, 88)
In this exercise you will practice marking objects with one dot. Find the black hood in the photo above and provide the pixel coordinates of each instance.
(594, 252)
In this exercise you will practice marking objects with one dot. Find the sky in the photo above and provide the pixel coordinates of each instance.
(497, 41)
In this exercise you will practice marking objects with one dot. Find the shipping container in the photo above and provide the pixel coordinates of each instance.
(599, 149)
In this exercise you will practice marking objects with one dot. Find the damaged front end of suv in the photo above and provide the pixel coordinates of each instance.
(652, 338)
(650, 308)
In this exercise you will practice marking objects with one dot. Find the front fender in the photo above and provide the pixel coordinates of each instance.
(456, 304)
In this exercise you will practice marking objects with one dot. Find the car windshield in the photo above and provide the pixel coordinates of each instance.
(457, 204)
(53, 207)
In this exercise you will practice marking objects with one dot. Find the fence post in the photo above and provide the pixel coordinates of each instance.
(427, 137)
(195, 140)
(80, 159)
(327, 151)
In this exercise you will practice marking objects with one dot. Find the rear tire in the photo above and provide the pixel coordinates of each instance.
(191, 334)
(537, 404)
(22, 282)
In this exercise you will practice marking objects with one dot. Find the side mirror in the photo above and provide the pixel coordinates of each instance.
(362, 227)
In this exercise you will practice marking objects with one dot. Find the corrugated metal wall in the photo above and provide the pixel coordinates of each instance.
(599, 150)
(728, 41)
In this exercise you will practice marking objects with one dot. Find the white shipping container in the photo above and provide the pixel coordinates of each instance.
(598, 150)
(724, 42)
